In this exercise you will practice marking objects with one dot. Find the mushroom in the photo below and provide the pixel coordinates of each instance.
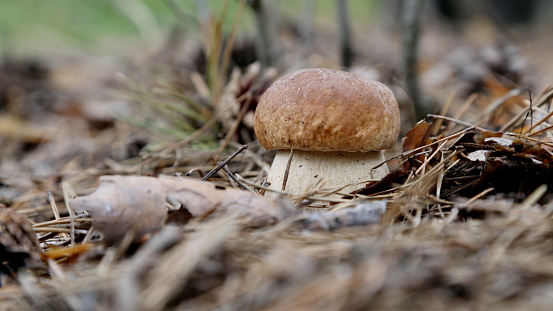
(329, 127)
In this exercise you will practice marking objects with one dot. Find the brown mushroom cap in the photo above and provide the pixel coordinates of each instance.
(327, 110)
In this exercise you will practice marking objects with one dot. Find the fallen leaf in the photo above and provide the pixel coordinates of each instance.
(69, 254)
(503, 141)
(141, 204)
(479, 155)
(415, 138)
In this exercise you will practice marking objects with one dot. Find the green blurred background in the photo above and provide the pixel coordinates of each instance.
(97, 25)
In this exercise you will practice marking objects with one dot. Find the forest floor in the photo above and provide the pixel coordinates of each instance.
(462, 222)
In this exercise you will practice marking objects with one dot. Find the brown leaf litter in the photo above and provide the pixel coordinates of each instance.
(467, 226)
(140, 204)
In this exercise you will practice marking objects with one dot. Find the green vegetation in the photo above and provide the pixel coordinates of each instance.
(93, 24)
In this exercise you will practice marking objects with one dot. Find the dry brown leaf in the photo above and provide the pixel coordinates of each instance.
(139, 203)
(415, 138)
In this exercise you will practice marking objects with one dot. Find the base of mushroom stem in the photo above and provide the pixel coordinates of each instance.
(311, 171)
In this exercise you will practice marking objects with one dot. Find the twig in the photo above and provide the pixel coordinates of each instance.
(544, 98)
(200, 172)
(236, 179)
(466, 124)
(476, 197)
(287, 171)
(221, 164)
(58, 230)
(256, 158)
(412, 151)
(542, 130)
(529, 114)
(308, 196)
(534, 197)
(53, 204)
(68, 192)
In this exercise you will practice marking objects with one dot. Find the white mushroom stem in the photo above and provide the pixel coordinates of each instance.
(315, 170)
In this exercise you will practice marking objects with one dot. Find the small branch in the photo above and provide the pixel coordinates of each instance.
(200, 172)
(287, 172)
(221, 164)
(237, 180)
(53, 204)
(463, 123)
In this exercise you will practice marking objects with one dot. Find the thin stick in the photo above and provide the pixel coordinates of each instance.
(58, 230)
(287, 171)
(529, 114)
(412, 151)
(221, 164)
(256, 158)
(199, 170)
(53, 204)
(534, 197)
(476, 197)
(418, 171)
(529, 138)
(542, 130)
(236, 179)
(466, 124)
(295, 196)
(68, 191)
(61, 221)
(540, 121)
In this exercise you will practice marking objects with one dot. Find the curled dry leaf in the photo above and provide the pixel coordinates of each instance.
(138, 203)
(479, 155)
(415, 138)
(18, 242)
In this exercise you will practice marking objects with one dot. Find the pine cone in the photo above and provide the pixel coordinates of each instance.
(19, 245)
